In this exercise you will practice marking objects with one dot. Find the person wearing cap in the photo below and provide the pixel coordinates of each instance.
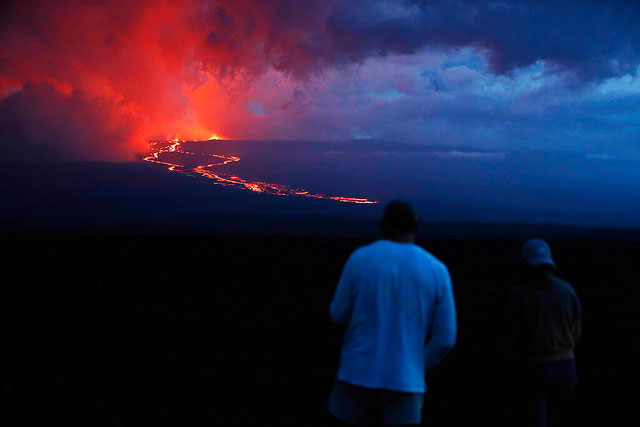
(542, 325)
(397, 302)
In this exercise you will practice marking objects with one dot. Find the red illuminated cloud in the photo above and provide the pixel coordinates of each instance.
(156, 68)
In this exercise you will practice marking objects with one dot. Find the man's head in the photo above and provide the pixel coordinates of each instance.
(400, 220)
(536, 252)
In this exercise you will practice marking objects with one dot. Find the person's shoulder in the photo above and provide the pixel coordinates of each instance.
(560, 285)
(429, 257)
(373, 246)
(364, 251)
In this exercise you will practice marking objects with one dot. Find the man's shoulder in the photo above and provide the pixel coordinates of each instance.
(429, 258)
(366, 249)
(371, 248)
(387, 246)
(560, 285)
(362, 253)
(382, 246)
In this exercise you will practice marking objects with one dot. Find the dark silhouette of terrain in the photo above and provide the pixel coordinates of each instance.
(181, 329)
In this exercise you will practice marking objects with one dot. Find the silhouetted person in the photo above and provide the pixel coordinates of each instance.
(392, 295)
(542, 326)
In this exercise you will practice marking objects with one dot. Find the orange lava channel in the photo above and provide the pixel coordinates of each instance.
(160, 148)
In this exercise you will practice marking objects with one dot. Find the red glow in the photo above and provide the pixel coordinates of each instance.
(166, 68)
(160, 149)
(98, 80)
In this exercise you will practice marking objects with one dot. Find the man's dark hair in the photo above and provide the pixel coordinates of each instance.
(399, 217)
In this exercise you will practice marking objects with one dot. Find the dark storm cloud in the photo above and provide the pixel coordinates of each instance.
(594, 39)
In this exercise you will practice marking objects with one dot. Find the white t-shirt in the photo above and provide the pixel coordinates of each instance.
(393, 296)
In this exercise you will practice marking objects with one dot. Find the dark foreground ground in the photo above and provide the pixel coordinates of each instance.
(150, 330)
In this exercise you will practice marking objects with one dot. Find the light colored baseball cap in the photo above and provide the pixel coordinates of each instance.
(537, 252)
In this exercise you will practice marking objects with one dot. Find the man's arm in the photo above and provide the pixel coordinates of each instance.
(443, 327)
(340, 308)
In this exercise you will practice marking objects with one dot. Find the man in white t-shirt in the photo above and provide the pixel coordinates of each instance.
(397, 302)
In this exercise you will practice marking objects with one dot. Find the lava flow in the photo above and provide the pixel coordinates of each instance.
(163, 149)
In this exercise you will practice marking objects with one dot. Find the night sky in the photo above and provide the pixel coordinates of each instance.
(505, 111)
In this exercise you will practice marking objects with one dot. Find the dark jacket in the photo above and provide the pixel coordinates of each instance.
(543, 319)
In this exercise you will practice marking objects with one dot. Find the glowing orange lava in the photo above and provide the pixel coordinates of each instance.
(160, 150)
